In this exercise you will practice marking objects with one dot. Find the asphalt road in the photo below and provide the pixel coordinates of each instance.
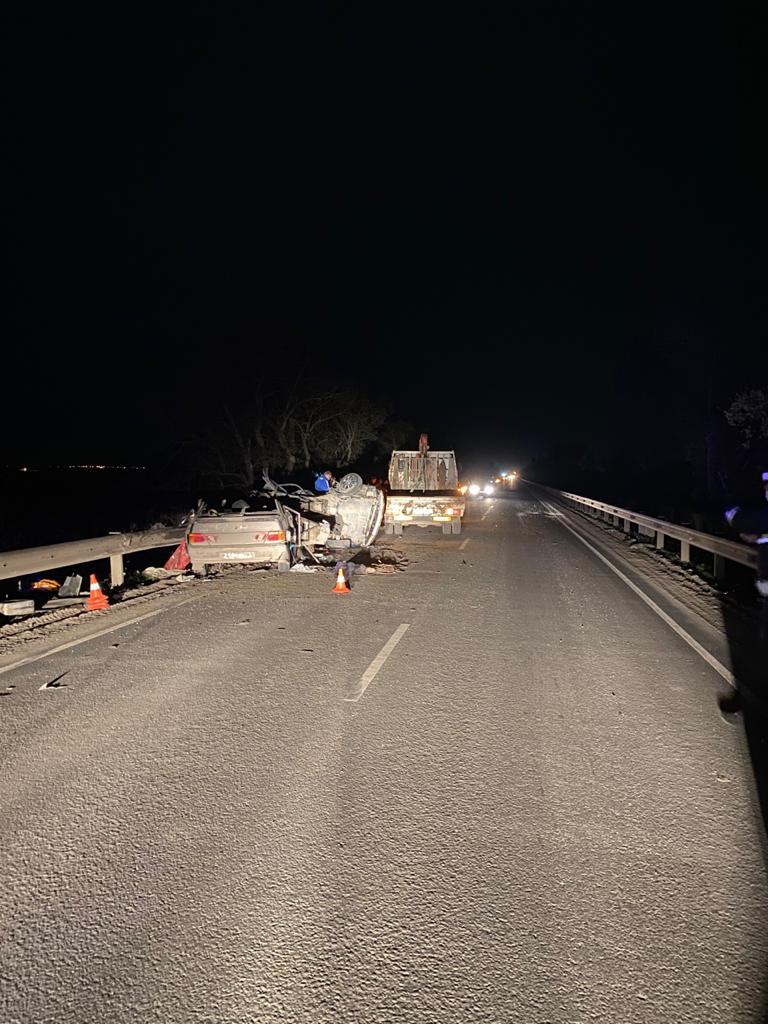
(533, 812)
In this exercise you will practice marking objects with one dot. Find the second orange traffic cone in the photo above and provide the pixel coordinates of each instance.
(341, 583)
(97, 599)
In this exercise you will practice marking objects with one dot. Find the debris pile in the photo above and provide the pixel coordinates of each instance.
(155, 573)
(381, 561)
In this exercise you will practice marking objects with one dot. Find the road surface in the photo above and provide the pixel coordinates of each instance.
(533, 811)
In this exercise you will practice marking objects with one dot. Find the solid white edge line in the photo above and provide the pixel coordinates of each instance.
(464, 543)
(85, 639)
(710, 659)
(373, 669)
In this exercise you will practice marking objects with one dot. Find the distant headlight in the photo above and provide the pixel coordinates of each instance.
(474, 489)
(488, 489)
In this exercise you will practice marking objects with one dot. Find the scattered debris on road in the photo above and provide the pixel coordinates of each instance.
(55, 683)
(12, 609)
(154, 572)
(381, 561)
(61, 614)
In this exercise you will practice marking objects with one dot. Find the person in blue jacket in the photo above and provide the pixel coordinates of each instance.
(323, 482)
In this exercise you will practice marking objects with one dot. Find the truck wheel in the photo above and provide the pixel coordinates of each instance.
(350, 484)
(446, 527)
(389, 528)
(455, 526)
(397, 529)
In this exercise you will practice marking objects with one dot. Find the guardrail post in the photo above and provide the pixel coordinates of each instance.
(685, 551)
(719, 567)
(116, 570)
(659, 540)
(627, 525)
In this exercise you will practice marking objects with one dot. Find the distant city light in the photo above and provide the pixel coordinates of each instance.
(88, 465)
(98, 466)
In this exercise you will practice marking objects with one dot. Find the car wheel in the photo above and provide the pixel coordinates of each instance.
(350, 483)
(446, 527)
(455, 526)
(389, 528)
(397, 529)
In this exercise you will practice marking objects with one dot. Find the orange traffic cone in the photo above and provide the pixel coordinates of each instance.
(341, 583)
(97, 600)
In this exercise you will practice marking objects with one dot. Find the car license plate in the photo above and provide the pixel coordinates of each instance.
(236, 556)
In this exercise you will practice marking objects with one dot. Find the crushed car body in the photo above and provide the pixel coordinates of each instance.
(350, 514)
(285, 524)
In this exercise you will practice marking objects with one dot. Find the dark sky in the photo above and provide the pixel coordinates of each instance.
(516, 224)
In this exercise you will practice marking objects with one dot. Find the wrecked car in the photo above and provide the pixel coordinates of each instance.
(283, 524)
(349, 515)
(241, 534)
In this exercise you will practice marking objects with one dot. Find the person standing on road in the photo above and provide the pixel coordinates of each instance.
(323, 482)
(753, 528)
(750, 655)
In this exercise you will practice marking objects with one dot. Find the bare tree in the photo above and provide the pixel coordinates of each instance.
(748, 413)
(395, 434)
(312, 422)
(356, 424)
(300, 422)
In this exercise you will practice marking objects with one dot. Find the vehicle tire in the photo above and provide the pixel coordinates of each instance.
(455, 526)
(350, 484)
(203, 570)
(389, 528)
(446, 527)
(284, 566)
(397, 529)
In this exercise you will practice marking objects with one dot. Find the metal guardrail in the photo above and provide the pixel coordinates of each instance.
(721, 549)
(115, 547)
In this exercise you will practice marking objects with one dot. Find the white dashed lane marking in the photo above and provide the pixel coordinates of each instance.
(373, 669)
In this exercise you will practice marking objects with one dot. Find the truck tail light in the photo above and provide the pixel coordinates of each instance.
(198, 538)
(275, 535)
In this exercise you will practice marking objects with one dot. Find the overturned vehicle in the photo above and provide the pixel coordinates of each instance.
(283, 524)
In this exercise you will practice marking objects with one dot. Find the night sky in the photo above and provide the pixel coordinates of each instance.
(515, 224)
